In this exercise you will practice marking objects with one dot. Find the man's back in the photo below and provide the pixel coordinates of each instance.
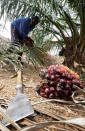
(23, 26)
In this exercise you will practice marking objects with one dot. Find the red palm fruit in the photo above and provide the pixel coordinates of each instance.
(58, 89)
(63, 71)
(57, 76)
(54, 68)
(63, 75)
(55, 83)
(69, 82)
(69, 76)
(81, 86)
(58, 84)
(78, 83)
(74, 81)
(50, 69)
(47, 76)
(58, 71)
(46, 82)
(47, 90)
(46, 71)
(42, 94)
(42, 89)
(46, 96)
(51, 95)
(72, 72)
(42, 74)
(52, 89)
(62, 81)
(42, 82)
(56, 94)
(52, 73)
(45, 86)
(73, 77)
(67, 86)
(52, 77)
(58, 80)
(51, 83)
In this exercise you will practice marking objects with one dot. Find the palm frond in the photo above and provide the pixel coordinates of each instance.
(36, 55)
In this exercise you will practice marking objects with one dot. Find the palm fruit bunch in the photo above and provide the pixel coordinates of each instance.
(58, 82)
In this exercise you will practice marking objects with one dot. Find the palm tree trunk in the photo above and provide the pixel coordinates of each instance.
(82, 29)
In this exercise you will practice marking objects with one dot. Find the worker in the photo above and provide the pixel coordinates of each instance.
(20, 29)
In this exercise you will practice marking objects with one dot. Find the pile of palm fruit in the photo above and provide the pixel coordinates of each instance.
(58, 82)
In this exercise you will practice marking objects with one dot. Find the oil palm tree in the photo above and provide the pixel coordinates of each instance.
(56, 19)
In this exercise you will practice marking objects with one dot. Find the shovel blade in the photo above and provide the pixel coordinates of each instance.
(18, 108)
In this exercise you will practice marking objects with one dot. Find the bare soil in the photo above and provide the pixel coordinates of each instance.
(46, 111)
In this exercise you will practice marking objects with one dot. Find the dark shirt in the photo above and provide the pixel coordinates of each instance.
(23, 26)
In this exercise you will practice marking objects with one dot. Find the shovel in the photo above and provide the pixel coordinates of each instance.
(20, 106)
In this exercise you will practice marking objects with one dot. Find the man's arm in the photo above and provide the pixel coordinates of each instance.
(29, 42)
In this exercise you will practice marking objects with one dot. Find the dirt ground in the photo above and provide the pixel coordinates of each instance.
(46, 111)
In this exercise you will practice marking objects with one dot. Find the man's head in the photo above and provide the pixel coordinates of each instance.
(35, 20)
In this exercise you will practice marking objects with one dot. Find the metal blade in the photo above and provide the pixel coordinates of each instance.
(18, 108)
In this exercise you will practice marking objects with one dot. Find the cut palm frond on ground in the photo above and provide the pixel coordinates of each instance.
(37, 55)
(34, 54)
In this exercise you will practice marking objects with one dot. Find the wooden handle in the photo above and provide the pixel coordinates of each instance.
(19, 78)
(19, 88)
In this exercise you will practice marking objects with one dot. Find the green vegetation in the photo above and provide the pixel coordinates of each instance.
(64, 20)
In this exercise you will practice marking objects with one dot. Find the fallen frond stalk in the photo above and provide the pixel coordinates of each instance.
(53, 100)
(78, 92)
(44, 124)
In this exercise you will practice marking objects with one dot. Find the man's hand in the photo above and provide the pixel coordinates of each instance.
(29, 42)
